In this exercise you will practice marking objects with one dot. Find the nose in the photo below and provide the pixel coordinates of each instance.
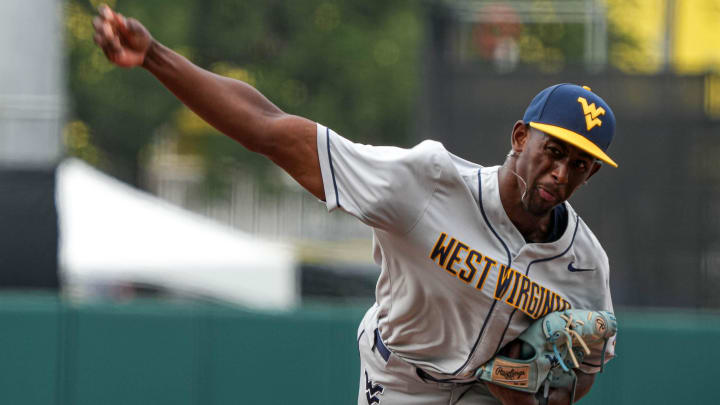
(560, 171)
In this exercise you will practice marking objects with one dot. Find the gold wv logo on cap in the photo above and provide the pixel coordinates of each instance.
(591, 113)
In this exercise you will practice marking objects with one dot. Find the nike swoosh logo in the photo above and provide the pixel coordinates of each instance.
(575, 269)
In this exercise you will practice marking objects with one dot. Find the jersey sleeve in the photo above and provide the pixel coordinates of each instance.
(385, 187)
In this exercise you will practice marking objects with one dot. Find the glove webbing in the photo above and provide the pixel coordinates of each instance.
(569, 334)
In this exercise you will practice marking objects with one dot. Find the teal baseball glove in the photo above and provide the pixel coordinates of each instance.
(552, 347)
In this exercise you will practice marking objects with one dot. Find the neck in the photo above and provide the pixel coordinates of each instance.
(513, 190)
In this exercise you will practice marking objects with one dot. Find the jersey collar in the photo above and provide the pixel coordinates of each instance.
(490, 198)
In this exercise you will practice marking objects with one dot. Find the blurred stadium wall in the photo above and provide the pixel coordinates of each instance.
(31, 100)
(184, 353)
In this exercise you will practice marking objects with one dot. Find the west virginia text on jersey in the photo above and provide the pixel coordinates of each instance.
(512, 287)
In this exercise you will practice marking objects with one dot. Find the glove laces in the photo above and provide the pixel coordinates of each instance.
(570, 334)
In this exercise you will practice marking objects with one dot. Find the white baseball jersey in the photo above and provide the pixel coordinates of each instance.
(458, 280)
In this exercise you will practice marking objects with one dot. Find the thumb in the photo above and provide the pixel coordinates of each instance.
(136, 35)
(127, 26)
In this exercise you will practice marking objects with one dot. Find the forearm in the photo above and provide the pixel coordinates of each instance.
(561, 396)
(233, 107)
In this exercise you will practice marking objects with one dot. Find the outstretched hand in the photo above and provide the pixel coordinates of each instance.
(124, 40)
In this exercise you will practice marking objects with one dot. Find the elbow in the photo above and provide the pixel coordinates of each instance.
(265, 138)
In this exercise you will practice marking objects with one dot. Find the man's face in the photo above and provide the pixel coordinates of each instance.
(553, 170)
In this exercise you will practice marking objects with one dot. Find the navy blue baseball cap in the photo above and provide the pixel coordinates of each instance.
(574, 115)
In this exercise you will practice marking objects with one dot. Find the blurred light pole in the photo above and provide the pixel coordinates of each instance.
(31, 99)
(30, 83)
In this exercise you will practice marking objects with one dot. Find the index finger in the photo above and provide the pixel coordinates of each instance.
(97, 23)
(105, 11)
(114, 19)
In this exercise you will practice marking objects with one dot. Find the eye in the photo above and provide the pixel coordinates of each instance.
(555, 151)
(581, 165)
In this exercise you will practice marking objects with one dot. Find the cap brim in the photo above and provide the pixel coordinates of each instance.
(574, 139)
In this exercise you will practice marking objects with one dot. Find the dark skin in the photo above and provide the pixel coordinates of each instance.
(552, 169)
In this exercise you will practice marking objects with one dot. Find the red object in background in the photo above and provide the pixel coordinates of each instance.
(498, 22)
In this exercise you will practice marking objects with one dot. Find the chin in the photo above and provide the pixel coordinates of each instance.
(539, 207)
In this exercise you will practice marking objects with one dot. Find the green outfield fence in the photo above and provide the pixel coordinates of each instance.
(55, 352)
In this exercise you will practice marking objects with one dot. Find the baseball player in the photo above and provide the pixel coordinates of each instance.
(470, 255)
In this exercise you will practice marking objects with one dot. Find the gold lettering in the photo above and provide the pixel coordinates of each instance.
(455, 257)
(465, 275)
(489, 263)
(591, 113)
(441, 250)
(505, 275)
(533, 301)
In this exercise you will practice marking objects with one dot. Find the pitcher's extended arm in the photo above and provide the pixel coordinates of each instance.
(233, 107)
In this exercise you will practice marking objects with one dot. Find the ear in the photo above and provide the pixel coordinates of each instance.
(519, 137)
(595, 168)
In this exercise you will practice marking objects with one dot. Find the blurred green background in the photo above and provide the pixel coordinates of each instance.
(356, 66)
(353, 65)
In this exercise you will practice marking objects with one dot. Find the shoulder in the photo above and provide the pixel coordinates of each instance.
(431, 153)
(429, 160)
(441, 168)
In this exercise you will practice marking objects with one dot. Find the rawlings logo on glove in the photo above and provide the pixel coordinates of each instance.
(510, 373)
(552, 347)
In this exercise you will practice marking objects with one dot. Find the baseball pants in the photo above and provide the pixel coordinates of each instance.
(386, 379)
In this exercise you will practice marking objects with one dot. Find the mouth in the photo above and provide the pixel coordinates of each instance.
(547, 194)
